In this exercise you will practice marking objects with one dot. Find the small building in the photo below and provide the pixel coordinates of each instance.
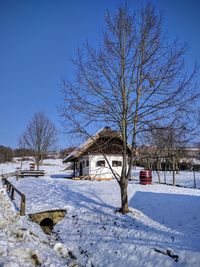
(92, 159)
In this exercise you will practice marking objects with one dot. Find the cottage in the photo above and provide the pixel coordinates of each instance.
(88, 160)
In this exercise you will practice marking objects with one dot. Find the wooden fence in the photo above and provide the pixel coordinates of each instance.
(11, 191)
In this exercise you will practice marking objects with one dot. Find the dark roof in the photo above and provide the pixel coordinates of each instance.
(79, 151)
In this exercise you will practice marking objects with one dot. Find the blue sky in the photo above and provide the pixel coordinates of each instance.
(38, 38)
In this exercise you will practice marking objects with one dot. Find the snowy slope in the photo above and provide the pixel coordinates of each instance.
(162, 217)
(23, 243)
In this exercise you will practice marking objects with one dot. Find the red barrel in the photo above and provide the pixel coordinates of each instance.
(32, 166)
(145, 177)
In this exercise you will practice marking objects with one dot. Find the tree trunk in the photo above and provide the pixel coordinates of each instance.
(158, 173)
(124, 197)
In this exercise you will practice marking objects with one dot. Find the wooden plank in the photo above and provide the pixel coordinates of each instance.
(31, 173)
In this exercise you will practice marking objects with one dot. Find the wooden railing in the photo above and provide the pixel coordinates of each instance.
(11, 190)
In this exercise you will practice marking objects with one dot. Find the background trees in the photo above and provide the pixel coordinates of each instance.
(6, 154)
(40, 137)
(134, 79)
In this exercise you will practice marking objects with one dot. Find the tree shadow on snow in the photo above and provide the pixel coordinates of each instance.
(158, 219)
(179, 214)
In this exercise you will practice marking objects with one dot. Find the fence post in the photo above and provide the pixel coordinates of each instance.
(9, 188)
(173, 169)
(194, 179)
(22, 205)
(12, 193)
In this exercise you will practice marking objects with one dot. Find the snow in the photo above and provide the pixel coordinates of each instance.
(182, 178)
(23, 243)
(49, 165)
(161, 217)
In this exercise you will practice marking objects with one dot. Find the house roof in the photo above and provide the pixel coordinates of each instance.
(104, 132)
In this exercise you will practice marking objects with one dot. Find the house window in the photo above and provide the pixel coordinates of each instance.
(87, 163)
(83, 164)
(116, 163)
(100, 163)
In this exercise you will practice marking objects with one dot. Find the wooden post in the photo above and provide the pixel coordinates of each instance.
(157, 169)
(194, 179)
(22, 205)
(12, 193)
(173, 169)
(74, 169)
(165, 181)
(9, 188)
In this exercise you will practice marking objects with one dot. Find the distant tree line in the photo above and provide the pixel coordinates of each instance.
(65, 152)
(23, 152)
(7, 154)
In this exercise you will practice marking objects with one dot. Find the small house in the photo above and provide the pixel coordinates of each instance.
(92, 159)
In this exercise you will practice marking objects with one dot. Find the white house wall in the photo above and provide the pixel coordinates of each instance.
(103, 172)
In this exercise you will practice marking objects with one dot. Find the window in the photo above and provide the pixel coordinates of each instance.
(87, 163)
(100, 163)
(83, 164)
(116, 163)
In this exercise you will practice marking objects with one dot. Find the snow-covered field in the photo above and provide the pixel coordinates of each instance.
(162, 218)
(49, 165)
(183, 178)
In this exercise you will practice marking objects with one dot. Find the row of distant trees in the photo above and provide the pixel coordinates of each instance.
(7, 154)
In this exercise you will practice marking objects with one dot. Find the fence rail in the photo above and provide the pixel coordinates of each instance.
(11, 190)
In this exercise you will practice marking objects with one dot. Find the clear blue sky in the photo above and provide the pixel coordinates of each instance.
(38, 37)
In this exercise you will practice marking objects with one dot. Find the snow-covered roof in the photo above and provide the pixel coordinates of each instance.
(106, 131)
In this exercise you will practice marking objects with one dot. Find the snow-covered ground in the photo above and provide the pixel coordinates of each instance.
(183, 178)
(49, 165)
(57, 168)
(162, 220)
(23, 243)
(162, 217)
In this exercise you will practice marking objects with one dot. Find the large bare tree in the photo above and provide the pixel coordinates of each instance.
(40, 137)
(134, 78)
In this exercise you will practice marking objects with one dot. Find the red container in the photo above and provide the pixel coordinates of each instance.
(145, 177)
(32, 166)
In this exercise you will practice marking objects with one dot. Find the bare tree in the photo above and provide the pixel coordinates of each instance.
(134, 78)
(40, 137)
